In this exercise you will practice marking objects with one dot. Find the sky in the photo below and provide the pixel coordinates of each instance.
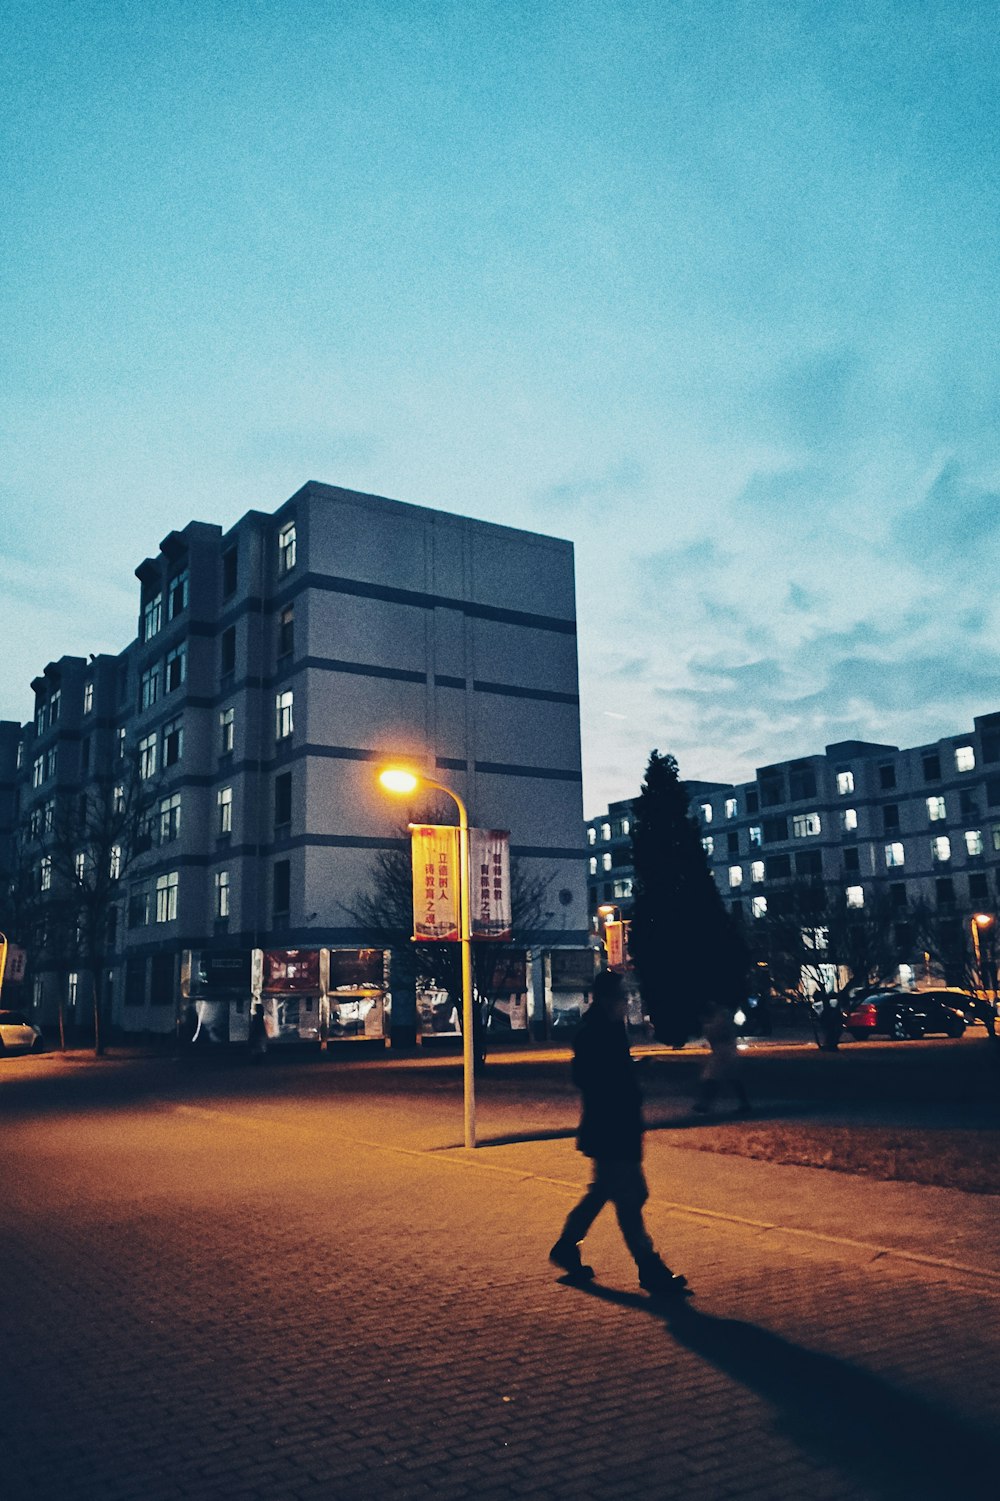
(708, 287)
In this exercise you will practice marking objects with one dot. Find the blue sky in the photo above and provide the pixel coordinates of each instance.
(709, 288)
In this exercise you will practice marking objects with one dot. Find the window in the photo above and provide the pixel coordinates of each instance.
(932, 767)
(79, 866)
(166, 897)
(229, 572)
(227, 650)
(175, 668)
(758, 906)
(845, 782)
(593, 865)
(894, 854)
(809, 863)
(733, 842)
(147, 757)
(849, 819)
(735, 876)
(591, 836)
(852, 860)
(606, 860)
(706, 812)
(227, 718)
(965, 758)
(944, 891)
(756, 871)
(731, 807)
(152, 616)
(935, 809)
(49, 815)
(756, 835)
(802, 783)
(973, 842)
(35, 823)
(979, 886)
(855, 896)
(286, 547)
(88, 697)
(284, 719)
(887, 775)
(968, 805)
(708, 845)
(225, 804)
(283, 804)
(72, 988)
(149, 687)
(605, 831)
(772, 792)
(40, 720)
(941, 848)
(170, 817)
(120, 742)
(626, 827)
(897, 895)
(135, 980)
(286, 631)
(753, 801)
(890, 817)
(115, 862)
(38, 771)
(138, 905)
(45, 873)
(805, 825)
(222, 893)
(779, 867)
(118, 798)
(281, 887)
(51, 761)
(996, 838)
(775, 829)
(173, 741)
(177, 594)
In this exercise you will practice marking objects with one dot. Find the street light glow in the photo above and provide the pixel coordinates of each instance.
(982, 919)
(395, 779)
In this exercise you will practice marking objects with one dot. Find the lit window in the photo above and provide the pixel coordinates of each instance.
(51, 761)
(138, 906)
(222, 893)
(605, 831)
(606, 861)
(735, 876)
(855, 896)
(804, 825)
(38, 771)
(20, 754)
(973, 842)
(623, 887)
(49, 815)
(225, 810)
(152, 616)
(173, 741)
(965, 758)
(849, 819)
(286, 547)
(284, 723)
(731, 808)
(45, 873)
(72, 987)
(175, 669)
(166, 897)
(147, 757)
(756, 871)
(170, 817)
(935, 808)
(845, 782)
(756, 835)
(118, 799)
(996, 838)
(120, 742)
(227, 718)
(593, 865)
(591, 836)
(894, 854)
(758, 906)
(941, 848)
(88, 697)
(706, 812)
(115, 862)
(708, 845)
(626, 826)
(79, 866)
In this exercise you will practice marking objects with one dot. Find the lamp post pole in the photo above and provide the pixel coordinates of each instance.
(394, 781)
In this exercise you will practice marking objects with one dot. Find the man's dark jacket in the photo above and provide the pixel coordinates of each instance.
(603, 1071)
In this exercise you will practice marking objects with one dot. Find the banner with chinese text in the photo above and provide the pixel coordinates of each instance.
(434, 850)
(489, 878)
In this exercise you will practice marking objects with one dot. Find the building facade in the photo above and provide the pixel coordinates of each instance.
(870, 821)
(275, 668)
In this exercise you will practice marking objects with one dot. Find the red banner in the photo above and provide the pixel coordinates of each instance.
(434, 850)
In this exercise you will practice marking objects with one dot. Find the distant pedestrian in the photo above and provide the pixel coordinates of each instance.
(611, 1130)
(723, 1065)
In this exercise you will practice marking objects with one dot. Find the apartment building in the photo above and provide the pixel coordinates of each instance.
(276, 666)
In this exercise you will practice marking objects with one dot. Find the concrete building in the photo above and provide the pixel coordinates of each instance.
(275, 667)
(920, 825)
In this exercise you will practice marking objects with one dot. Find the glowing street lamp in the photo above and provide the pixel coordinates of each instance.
(979, 920)
(399, 780)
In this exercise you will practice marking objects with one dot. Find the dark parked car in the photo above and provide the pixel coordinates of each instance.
(18, 1034)
(903, 1014)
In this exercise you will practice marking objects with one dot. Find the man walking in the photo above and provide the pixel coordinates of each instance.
(610, 1133)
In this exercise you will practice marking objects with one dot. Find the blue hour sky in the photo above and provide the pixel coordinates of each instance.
(709, 288)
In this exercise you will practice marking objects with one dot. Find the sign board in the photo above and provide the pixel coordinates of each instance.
(489, 880)
(291, 971)
(15, 964)
(221, 969)
(434, 850)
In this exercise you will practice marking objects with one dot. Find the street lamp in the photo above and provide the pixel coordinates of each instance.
(401, 781)
(979, 920)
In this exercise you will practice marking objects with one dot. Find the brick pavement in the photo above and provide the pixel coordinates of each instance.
(262, 1297)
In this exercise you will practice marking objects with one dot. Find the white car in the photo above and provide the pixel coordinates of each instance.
(19, 1035)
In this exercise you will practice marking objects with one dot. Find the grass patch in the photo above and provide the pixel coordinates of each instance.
(946, 1159)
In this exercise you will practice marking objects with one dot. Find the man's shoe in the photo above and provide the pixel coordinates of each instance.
(566, 1254)
(657, 1278)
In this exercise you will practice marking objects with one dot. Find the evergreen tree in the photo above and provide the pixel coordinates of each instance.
(685, 948)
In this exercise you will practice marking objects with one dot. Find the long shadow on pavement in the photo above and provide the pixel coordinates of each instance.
(898, 1444)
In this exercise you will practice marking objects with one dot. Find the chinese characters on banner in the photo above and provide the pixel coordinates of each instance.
(489, 861)
(434, 851)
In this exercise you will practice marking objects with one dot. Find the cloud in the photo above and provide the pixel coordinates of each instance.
(586, 495)
(814, 401)
(952, 522)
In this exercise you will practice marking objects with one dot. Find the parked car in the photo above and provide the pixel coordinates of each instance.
(959, 1000)
(18, 1034)
(903, 1014)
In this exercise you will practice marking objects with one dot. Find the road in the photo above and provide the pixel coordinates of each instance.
(293, 1282)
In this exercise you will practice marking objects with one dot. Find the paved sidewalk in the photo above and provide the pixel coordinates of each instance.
(253, 1296)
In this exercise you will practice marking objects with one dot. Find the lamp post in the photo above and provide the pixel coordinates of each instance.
(401, 781)
(980, 920)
